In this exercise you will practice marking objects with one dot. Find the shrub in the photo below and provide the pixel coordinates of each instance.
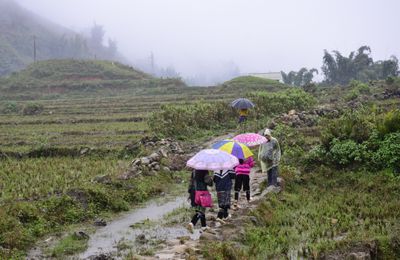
(274, 103)
(347, 152)
(389, 122)
(185, 120)
(388, 153)
(355, 125)
(10, 107)
(33, 109)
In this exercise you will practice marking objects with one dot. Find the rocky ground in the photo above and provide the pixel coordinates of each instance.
(186, 248)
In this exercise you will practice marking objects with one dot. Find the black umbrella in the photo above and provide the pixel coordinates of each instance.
(242, 103)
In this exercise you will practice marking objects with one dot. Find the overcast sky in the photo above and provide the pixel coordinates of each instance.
(259, 36)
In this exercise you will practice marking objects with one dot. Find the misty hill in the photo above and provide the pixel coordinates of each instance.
(50, 78)
(19, 27)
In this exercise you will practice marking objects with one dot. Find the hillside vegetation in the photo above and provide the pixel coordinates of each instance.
(19, 27)
(55, 78)
(255, 83)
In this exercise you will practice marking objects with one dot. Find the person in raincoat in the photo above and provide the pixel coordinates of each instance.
(223, 186)
(269, 155)
(199, 181)
(243, 113)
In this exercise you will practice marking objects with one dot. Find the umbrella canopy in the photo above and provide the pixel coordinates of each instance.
(250, 139)
(242, 103)
(238, 150)
(213, 160)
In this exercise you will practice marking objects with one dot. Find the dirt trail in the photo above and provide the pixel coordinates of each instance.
(185, 248)
(144, 230)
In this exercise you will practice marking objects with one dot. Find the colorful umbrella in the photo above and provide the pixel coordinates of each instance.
(242, 103)
(213, 160)
(250, 139)
(239, 150)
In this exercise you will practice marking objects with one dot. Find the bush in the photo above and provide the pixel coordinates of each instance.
(274, 103)
(185, 120)
(347, 152)
(33, 109)
(10, 107)
(389, 122)
(388, 153)
(354, 125)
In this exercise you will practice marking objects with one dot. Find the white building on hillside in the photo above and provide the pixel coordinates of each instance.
(268, 75)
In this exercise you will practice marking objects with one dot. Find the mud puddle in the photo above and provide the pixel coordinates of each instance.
(126, 232)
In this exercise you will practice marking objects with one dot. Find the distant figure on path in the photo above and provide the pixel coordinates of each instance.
(199, 181)
(223, 186)
(243, 178)
(243, 113)
(269, 155)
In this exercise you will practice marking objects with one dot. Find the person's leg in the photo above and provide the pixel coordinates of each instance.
(238, 186)
(269, 174)
(203, 217)
(226, 213)
(246, 186)
(221, 212)
(195, 218)
(274, 176)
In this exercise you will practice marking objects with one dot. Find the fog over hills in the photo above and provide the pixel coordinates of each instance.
(209, 41)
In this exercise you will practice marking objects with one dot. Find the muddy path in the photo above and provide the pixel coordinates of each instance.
(191, 248)
(156, 229)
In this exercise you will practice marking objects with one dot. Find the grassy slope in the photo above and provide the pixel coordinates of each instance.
(325, 211)
(17, 27)
(52, 79)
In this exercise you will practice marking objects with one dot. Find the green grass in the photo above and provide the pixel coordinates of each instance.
(323, 211)
(69, 245)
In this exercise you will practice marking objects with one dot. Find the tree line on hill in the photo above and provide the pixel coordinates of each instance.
(339, 69)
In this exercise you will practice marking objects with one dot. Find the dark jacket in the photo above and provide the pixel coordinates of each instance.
(223, 180)
(199, 180)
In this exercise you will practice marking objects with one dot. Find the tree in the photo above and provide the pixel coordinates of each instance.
(96, 36)
(300, 78)
(339, 69)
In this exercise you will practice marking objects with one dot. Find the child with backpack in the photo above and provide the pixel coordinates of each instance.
(243, 178)
(223, 186)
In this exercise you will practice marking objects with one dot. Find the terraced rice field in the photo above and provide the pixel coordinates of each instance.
(96, 123)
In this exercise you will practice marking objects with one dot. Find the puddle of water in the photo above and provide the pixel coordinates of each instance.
(105, 239)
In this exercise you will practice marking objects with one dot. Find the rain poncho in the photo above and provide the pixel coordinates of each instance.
(269, 154)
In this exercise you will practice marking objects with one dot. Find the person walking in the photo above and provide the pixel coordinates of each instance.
(223, 186)
(269, 155)
(199, 181)
(243, 113)
(243, 179)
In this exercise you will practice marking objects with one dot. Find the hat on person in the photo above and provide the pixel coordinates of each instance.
(267, 132)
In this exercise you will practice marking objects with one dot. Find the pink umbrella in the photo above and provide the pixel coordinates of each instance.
(213, 160)
(250, 139)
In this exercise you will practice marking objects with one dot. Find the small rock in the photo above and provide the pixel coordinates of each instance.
(359, 256)
(164, 153)
(208, 236)
(141, 239)
(166, 169)
(100, 222)
(154, 157)
(136, 162)
(145, 161)
(84, 151)
(254, 220)
(81, 235)
(334, 221)
(153, 164)
(156, 167)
